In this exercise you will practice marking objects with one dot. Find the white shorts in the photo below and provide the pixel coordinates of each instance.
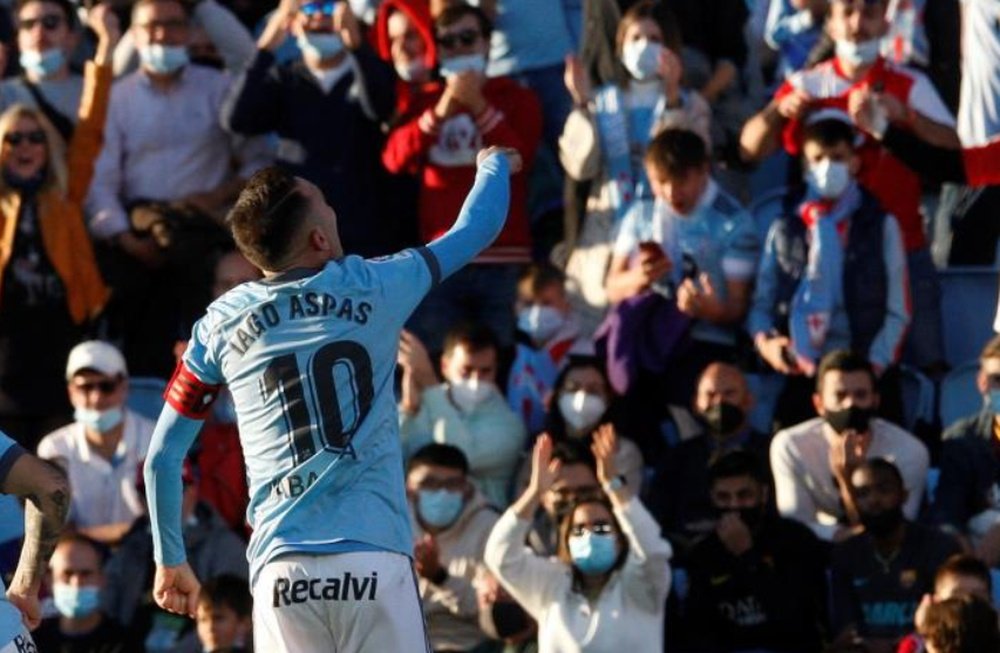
(364, 602)
(21, 643)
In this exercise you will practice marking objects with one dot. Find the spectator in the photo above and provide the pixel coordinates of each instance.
(967, 500)
(757, 581)
(808, 300)
(961, 575)
(404, 36)
(467, 411)
(926, 35)
(46, 36)
(224, 615)
(961, 625)
(880, 574)
(793, 29)
(326, 110)
(548, 333)
(451, 522)
(608, 587)
(51, 275)
(843, 82)
(575, 481)
(603, 144)
(678, 493)
(165, 159)
(77, 584)
(582, 405)
(438, 138)
(212, 550)
(103, 450)
(813, 461)
(700, 241)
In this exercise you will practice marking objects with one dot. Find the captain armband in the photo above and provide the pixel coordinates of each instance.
(188, 395)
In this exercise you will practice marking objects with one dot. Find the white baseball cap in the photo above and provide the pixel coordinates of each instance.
(98, 356)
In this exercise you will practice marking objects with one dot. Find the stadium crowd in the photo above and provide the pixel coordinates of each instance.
(700, 393)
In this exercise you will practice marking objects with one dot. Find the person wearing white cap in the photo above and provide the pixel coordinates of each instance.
(103, 449)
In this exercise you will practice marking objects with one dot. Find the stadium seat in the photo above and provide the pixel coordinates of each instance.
(145, 396)
(959, 395)
(968, 303)
(918, 397)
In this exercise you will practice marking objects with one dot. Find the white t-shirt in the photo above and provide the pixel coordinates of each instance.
(104, 492)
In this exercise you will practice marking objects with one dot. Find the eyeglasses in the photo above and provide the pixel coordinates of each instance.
(104, 387)
(313, 8)
(598, 528)
(466, 38)
(35, 137)
(48, 22)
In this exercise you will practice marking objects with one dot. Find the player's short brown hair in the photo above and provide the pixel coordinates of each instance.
(270, 212)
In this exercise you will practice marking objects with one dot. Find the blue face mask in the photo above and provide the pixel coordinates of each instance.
(76, 602)
(164, 59)
(439, 508)
(593, 553)
(320, 45)
(42, 64)
(460, 64)
(101, 421)
(994, 401)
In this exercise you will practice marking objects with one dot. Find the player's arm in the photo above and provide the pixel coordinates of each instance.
(483, 213)
(188, 400)
(45, 489)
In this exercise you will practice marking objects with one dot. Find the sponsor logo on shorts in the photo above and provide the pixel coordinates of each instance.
(24, 645)
(346, 588)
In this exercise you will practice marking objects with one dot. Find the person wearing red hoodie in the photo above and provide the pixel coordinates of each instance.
(438, 139)
(404, 36)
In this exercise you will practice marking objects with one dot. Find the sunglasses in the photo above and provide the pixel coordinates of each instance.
(104, 387)
(35, 137)
(49, 22)
(466, 38)
(314, 8)
(600, 528)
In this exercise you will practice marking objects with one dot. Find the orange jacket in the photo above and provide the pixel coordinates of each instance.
(60, 217)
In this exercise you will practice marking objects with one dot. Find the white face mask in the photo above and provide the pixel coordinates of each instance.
(858, 53)
(581, 409)
(641, 59)
(412, 70)
(540, 322)
(828, 179)
(462, 63)
(469, 393)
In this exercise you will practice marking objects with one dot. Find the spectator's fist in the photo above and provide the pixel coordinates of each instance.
(105, 24)
(775, 350)
(793, 105)
(176, 589)
(427, 557)
(514, 159)
(278, 25)
(27, 602)
(544, 470)
(346, 24)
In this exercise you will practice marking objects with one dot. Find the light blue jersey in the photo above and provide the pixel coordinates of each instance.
(310, 360)
(10, 617)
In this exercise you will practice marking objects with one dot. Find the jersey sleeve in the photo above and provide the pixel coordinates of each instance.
(197, 380)
(405, 278)
(924, 99)
(742, 252)
(200, 356)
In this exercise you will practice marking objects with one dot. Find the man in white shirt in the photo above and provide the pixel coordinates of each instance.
(812, 462)
(103, 450)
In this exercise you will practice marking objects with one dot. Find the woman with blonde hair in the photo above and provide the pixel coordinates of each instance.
(50, 286)
(608, 589)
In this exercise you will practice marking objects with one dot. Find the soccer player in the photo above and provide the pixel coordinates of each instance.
(46, 492)
(309, 355)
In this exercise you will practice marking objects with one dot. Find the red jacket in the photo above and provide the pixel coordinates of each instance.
(443, 153)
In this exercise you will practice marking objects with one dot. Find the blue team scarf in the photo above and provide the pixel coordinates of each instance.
(821, 288)
(626, 184)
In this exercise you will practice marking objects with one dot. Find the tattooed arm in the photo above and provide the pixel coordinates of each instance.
(45, 490)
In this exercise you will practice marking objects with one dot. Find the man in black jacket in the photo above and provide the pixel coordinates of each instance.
(968, 495)
(327, 110)
(758, 580)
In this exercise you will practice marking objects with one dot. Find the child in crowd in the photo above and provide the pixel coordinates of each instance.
(224, 615)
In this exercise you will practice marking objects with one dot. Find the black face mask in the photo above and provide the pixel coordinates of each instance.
(853, 418)
(882, 524)
(723, 418)
(29, 185)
